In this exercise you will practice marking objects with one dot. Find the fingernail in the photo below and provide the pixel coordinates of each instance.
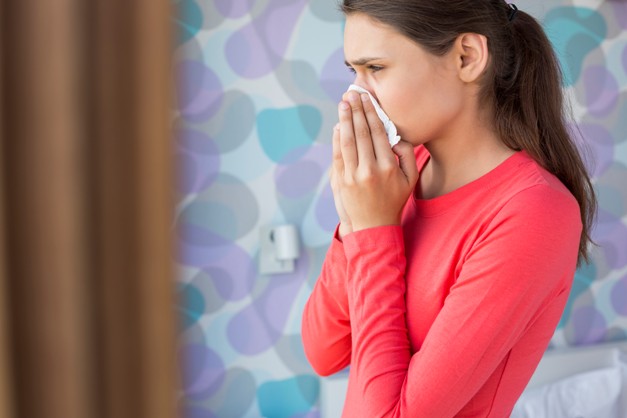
(344, 106)
(365, 97)
(352, 97)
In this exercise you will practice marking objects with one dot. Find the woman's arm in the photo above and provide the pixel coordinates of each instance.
(326, 329)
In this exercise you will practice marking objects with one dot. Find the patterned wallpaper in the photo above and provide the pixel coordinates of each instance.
(258, 83)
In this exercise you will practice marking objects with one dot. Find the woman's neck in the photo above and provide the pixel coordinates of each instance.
(460, 159)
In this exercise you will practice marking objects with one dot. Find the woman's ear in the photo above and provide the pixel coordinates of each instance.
(472, 54)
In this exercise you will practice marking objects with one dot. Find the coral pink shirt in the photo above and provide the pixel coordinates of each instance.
(448, 314)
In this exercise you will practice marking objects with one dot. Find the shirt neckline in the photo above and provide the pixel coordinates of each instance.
(445, 202)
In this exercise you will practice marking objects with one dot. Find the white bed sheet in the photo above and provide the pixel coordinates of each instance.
(586, 382)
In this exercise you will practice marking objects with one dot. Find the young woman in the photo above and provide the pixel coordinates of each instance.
(456, 249)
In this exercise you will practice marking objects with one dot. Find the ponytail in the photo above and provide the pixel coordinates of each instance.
(523, 83)
(531, 116)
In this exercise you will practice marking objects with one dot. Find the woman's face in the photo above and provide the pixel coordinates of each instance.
(420, 92)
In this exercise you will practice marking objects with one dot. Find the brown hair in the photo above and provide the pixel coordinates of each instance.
(523, 83)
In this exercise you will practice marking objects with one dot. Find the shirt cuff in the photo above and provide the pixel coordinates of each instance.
(336, 249)
(388, 239)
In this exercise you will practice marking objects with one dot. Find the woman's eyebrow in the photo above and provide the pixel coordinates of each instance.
(361, 61)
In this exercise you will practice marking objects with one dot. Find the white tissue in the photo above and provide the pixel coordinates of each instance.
(389, 126)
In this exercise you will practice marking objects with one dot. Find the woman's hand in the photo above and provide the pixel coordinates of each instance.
(345, 223)
(371, 185)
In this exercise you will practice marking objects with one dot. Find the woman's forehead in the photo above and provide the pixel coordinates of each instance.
(365, 38)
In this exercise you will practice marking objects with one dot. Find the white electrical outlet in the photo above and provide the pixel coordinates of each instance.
(278, 252)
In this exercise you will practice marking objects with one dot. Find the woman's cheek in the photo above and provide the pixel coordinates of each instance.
(411, 123)
(399, 114)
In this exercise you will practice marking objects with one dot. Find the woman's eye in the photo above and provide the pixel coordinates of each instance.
(372, 68)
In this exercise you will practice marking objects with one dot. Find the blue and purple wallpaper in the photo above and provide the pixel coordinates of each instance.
(257, 88)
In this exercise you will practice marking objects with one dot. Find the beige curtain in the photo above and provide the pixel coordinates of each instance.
(87, 323)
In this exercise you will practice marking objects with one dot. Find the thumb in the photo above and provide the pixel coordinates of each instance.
(407, 160)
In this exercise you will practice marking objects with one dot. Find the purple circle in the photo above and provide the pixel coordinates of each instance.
(335, 77)
(260, 325)
(228, 209)
(249, 334)
(619, 296)
(245, 54)
(232, 270)
(602, 144)
(602, 90)
(611, 190)
(194, 334)
(199, 161)
(272, 303)
(198, 247)
(192, 411)
(186, 172)
(326, 215)
(233, 8)
(194, 235)
(203, 371)
(234, 274)
(298, 179)
(199, 91)
(196, 142)
(620, 12)
(279, 22)
(257, 49)
(589, 325)
(611, 235)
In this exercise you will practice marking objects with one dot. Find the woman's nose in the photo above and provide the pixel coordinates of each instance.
(359, 83)
(363, 86)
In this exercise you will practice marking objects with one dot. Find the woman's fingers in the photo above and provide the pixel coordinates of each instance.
(380, 143)
(407, 161)
(348, 147)
(363, 137)
(337, 160)
(361, 130)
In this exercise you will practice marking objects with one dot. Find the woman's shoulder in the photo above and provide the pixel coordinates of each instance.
(531, 190)
(530, 178)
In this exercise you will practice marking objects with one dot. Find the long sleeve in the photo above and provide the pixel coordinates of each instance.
(326, 329)
(513, 281)
(376, 300)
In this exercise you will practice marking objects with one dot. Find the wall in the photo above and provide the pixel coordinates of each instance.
(258, 83)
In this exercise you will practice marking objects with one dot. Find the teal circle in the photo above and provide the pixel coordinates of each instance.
(282, 131)
(188, 20)
(574, 33)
